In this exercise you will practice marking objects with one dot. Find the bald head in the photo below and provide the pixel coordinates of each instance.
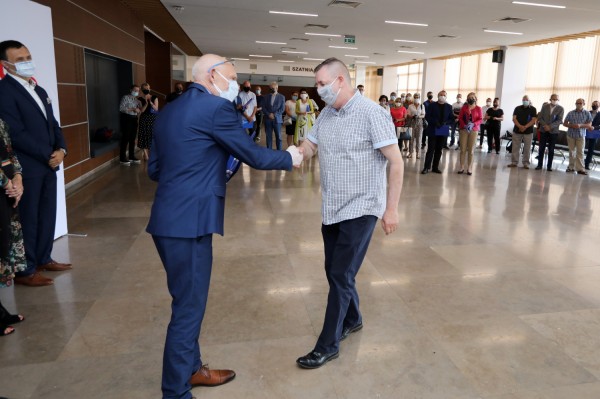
(211, 70)
(332, 68)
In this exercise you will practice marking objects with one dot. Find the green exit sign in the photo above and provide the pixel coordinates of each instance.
(349, 39)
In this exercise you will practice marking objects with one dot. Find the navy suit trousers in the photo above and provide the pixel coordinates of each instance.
(37, 211)
(188, 263)
(270, 126)
(346, 245)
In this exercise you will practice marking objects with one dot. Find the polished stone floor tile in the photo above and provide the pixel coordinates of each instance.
(488, 290)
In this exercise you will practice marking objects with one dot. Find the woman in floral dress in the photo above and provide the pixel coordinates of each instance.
(12, 251)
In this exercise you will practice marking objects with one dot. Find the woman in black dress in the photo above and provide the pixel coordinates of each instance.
(12, 251)
(147, 117)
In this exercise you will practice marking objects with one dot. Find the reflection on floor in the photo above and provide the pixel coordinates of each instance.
(489, 289)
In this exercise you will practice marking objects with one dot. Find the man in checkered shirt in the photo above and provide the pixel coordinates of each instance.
(356, 139)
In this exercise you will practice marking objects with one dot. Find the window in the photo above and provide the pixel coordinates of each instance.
(474, 73)
(410, 78)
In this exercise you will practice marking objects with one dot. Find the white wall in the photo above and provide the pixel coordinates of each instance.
(31, 24)
(511, 82)
(389, 82)
(298, 69)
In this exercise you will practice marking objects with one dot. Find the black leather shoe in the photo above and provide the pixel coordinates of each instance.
(549, 169)
(315, 359)
(424, 171)
(349, 330)
(436, 171)
(538, 168)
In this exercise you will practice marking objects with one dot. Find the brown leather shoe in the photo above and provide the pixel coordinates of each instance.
(54, 266)
(211, 378)
(34, 280)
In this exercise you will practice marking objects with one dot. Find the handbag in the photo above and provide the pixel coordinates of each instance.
(403, 133)
(287, 120)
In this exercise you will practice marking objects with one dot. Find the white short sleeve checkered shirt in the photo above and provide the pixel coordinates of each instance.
(353, 170)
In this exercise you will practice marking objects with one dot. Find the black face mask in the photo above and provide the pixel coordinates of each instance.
(246, 89)
(430, 97)
(594, 107)
(178, 91)
(496, 105)
(272, 90)
(146, 91)
(471, 101)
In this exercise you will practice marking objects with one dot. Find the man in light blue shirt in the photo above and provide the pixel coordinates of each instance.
(356, 139)
(577, 121)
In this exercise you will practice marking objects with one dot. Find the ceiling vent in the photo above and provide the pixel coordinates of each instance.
(407, 47)
(514, 20)
(343, 3)
(448, 37)
(299, 38)
(378, 54)
(288, 48)
(316, 26)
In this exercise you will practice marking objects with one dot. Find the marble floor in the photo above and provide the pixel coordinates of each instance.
(488, 290)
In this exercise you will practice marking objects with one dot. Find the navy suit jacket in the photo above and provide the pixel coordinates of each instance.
(432, 115)
(34, 137)
(596, 122)
(193, 138)
(277, 108)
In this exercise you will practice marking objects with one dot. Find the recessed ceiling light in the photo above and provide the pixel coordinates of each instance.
(411, 52)
(356, 56)
(344, 47)
(322, 34)
(409, 41)
(405, 23)
(503, 32)
(240, 59)
(525, 3)
(293, 13)
(365, 62)
(258, 41)
(285, 61)
(294, 52)
(314, 59)
(260, 56)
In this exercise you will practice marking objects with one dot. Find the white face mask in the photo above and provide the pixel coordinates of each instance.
(442, 99)
(553, 102)
(232, 90)
(417, 101)
(303, 96)
(326, 93)
(24, 68)
(258, 92)
(135, 93)
(489, 103)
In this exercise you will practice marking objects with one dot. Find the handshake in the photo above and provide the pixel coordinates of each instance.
(297, 154)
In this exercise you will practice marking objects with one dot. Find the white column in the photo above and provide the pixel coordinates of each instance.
(390, 80)
(433, 77)
(510, 85)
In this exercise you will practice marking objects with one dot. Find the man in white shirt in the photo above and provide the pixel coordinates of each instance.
(483, 127)
(247, 106)
(456, 110)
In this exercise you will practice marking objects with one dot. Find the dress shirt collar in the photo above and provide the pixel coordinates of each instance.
(28, 84)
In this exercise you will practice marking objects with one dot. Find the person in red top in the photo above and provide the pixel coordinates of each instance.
(469, 121)
(398, 112)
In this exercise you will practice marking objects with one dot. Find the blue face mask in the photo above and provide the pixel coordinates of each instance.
(326, 93)
(24, 68)
(295, 98)
(232, 90)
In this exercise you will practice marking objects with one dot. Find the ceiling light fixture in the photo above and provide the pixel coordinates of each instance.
(503, 32)
(525, 3)
(294, 52)
(285, 61)
(409, 41)
(314, 59)
(365, 62)
(344, 47)
(293, 13)
(260, 56)
(258, 41)
(356, 56)
(240, 59)
(411, 52)
(322, 34)
(405, 23)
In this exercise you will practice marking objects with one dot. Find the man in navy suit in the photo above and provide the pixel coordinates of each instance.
(273, 110)
(191, 145)
(438, 115)
(40, 146)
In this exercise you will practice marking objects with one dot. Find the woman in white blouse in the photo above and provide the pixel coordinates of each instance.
(416, 113)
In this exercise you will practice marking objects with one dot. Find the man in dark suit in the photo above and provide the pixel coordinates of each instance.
(437, 115)
(40, 146)
(549, 120)
(273, 108)
(192, 143)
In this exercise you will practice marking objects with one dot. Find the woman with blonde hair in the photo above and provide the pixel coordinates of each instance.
(469, 121)
(305, 117)
(416, 114)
